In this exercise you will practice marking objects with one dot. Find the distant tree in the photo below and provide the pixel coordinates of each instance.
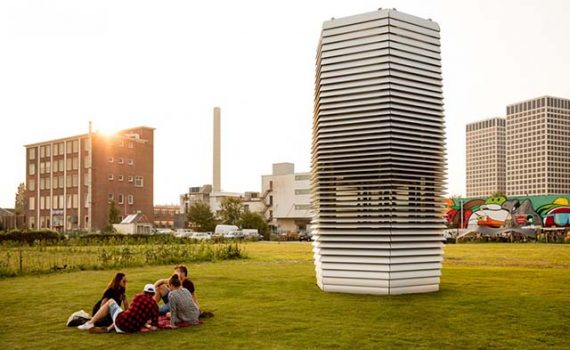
(230, 210)
(201, 216)
(113, 216)
(20, 203)
(255, 221)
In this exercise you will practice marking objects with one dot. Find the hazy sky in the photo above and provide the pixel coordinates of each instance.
(166, 64)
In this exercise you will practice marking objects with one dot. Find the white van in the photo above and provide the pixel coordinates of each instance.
(223, 230)
(251, 233)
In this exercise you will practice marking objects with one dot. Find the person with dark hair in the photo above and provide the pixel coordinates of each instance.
(182, 306)
(116, 290)
(143, 311)
(162, 290)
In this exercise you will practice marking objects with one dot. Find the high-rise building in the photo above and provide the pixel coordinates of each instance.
(485, 157)
(378, 155)
(538, 147)
(72, 181)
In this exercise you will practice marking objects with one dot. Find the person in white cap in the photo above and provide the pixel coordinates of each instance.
(143, 311)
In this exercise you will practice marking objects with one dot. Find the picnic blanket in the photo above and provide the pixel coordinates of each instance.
(164, 324)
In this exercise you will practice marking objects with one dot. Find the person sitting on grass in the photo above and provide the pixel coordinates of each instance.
(142, 312)
(162, 290)
(116, 290)
(182, 306)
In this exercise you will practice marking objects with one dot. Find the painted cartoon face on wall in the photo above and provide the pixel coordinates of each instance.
(490, 214)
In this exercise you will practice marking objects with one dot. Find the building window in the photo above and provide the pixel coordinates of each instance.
(48, 151)
(120, 178)
(302, 206)
(69, 147)
(130, 199)
(42, 151)
(121, 199)
(32, 154)
(32, 184)
(111, 177)
(32, 203)
(75, 146)
(110, 196)
(75, 201)
(120, 161)
(139, 181)
(69, 164)
(75, 179)
(130, 179)
(75, 163)
(61, 150)
(110, 160)
(32, 169)
(131, 162)
(302, 177)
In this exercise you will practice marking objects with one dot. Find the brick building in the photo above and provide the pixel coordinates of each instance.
(71, 181)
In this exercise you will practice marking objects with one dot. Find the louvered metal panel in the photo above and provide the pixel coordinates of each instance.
(378, 155)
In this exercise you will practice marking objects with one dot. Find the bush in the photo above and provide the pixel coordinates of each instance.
(29, 237)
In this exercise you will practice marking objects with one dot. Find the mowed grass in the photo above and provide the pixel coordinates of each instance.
(493, 296)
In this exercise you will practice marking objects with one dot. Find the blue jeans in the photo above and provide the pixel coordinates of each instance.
(163, 309)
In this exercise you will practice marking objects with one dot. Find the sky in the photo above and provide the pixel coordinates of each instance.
(166, 64)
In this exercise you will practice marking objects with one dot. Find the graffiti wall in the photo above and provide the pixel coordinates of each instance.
(496, 214)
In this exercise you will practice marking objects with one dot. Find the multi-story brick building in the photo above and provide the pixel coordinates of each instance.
(485, 157)
(72, 181)
(165, 215)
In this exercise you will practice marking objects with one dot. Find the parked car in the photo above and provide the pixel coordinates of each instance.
(163, 231)
(181, 232)
(305, 236)
(201, 236)
(250, 233)
(233, 235)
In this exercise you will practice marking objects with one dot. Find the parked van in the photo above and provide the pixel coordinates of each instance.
(222, 230)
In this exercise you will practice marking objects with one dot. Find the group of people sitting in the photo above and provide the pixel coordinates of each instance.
(179, 304)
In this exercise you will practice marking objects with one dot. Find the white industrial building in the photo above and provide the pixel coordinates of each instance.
(287, 198)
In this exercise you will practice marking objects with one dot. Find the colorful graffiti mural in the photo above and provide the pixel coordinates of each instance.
(496, 214)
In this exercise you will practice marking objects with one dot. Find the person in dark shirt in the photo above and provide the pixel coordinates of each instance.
(162, 289)
(116, 290)
(142, 310)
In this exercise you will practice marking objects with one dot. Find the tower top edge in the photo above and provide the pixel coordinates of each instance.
(380, 14)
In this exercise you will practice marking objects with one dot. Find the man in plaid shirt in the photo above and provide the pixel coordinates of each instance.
(143, 309)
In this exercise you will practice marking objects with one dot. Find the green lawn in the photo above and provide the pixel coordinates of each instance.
(493, 296)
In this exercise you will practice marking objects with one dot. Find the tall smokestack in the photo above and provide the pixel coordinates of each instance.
(217, 166)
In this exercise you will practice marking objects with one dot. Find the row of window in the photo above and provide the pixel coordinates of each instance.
(121, 161)
(121, 198)
(59, 148)
(139, 180)
(57, 165)
(55, 202)
(58, 182)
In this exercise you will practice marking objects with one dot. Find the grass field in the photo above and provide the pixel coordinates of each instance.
(493, 296)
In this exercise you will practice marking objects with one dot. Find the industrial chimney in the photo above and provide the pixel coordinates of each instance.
(216, 160)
